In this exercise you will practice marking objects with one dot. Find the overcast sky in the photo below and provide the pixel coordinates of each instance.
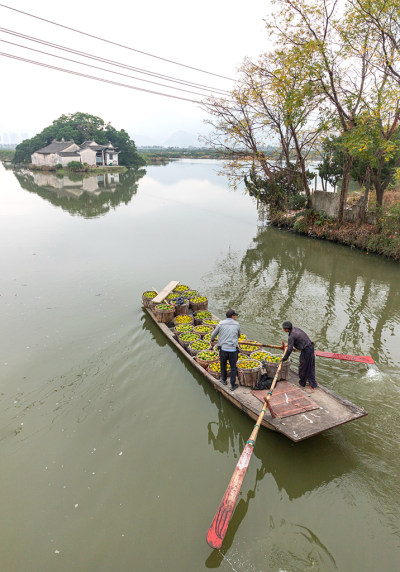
(213, 35)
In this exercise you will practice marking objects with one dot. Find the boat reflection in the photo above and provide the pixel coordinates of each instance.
(88, 196)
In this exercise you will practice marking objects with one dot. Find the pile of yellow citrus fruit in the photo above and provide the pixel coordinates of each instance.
(183, 319)
(208, 355)
(181, 288)
(203, 315)
(198, 299)
(246, 347)
(190, 293)
(150, 294)
(207, 337)
(209, 322)
(173, 296)
(184, 328)
(273, 359)
(189, 337)
(260, 356)
(203, 329)
(199, 346)
(164, 307)
(216, 367)
(248, 364)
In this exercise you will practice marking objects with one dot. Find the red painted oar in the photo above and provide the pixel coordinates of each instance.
(346, 357)
(359, 359)
(219, 526)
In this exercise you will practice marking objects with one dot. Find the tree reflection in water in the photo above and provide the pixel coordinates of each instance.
(89, 196)
(347, 301)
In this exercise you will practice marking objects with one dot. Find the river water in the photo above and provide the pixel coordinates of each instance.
(115, 453)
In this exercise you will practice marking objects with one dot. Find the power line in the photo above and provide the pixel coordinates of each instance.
(96, 78)
(111, 62)
(102, 69)
(114, 43)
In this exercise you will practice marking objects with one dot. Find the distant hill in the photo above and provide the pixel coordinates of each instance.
(182, 139)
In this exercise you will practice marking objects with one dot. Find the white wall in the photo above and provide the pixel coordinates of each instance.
(88, 156)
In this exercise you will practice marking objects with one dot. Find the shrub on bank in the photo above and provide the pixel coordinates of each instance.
(383, 239)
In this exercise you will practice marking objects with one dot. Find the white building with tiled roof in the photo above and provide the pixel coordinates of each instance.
(63, 152)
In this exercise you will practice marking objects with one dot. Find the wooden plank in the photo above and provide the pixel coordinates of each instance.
(164, 292)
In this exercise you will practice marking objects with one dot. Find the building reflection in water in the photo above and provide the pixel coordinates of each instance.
(88, 196)
(65, 186)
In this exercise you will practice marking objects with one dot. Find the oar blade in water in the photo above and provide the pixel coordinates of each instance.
(219, 526)
(346, 357)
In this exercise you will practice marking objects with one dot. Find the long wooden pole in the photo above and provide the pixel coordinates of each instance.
(345, 357)
(219, 526)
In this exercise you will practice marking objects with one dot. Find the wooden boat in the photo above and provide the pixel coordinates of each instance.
(299, 414)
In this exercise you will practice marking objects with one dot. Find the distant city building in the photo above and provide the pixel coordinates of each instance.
(63, 152)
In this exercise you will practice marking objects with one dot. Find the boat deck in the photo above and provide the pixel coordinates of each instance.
(300, 413)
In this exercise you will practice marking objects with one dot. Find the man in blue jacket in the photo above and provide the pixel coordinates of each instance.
(228, 332)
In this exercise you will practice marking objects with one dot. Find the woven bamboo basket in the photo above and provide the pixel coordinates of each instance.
(271, 368)
(198, 306)
(205, 363)
(190, 294)
(195, 352)
(181, 289)
(146, 301)
(249, 376)
(217, 374)
(189, 320)
(177, 333)
(254, 355)
(185, 343)
(202, 334)
(182, 309)
(246, 352)
(164, 316)
(198, 320)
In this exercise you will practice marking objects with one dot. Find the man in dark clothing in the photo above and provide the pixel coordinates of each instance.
(299, 340)
(228, 332)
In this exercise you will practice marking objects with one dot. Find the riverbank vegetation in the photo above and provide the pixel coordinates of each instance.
(330, 88)
(6, 155)
(381, 238)
(163, 154)
(77, 168)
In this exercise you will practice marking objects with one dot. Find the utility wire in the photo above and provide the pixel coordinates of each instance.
(111, 62)
(102, 69)
(114, 43)
(95, 78)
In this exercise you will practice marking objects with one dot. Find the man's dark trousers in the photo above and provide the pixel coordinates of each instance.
(307, 366)
(232, 357)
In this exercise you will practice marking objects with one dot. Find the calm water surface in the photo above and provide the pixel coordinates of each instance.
(115, 453)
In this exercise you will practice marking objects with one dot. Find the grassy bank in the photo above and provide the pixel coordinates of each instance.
(66, 171)
(382, 238)
(6, 154)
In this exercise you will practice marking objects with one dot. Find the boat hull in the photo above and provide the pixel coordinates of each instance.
(330, 410)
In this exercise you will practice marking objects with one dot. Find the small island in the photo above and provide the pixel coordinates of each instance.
(79, 142)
